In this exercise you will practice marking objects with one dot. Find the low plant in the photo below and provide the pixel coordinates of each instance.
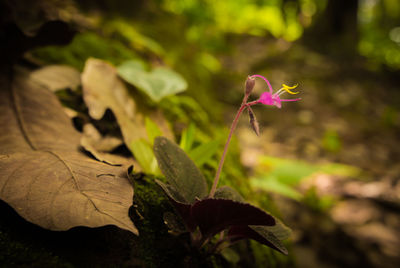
(222, 210)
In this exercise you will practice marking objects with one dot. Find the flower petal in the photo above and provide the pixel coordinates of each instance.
(266, 98)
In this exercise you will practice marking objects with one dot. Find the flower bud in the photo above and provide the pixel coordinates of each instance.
(250, 82)
(254, 122)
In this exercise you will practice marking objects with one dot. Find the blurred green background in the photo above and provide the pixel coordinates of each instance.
(327, 165)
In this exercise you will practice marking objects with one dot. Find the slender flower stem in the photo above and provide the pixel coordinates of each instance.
(233, 126)
(266, 80)
(267, 98)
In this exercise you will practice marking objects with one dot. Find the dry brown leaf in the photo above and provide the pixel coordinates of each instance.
(43, 174)
(99, 146)
(57, 77)
(103, 89)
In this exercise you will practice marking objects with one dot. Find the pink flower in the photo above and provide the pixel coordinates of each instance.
(270, 98)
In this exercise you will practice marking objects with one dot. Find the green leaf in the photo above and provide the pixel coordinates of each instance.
(270, 237)
(226, 192)
(144, 155)
(287, 171)
(271, 184)
(179, 170)
(280, 230)
(258, 233)
(187, 138)
(157, 84)
(126, 31)
(172, 193)
(204, 152)
(152, 130)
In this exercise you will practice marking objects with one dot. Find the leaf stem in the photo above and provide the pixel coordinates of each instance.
(233, 127)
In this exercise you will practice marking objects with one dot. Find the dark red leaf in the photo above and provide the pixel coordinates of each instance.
(215, 215)
(183, 209)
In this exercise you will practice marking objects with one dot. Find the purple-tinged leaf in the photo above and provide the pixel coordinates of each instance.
(183, 209)
(215, 215)
(257, 233)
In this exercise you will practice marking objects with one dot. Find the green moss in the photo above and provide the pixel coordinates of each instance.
(155, 246)
(15, 253)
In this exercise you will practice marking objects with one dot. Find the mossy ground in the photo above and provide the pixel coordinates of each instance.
(156, 246)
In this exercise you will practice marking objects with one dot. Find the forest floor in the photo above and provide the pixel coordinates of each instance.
(348, 114)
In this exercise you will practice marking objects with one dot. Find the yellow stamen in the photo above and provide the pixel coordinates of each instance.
(288, 88)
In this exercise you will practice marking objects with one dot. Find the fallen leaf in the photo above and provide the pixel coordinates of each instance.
(103, 89)
(99, 146)
(57, 77)
(43, 174)
(99, 142)
(31, 16)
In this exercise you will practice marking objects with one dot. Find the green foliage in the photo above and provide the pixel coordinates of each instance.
(144, 155)
(156, 84)
(251, 17)
(331, 141)
(152, 130)
(204, 152)
(142, 149)
(276, 186)
(380, 32)
(185, 109)
(127, 33)
(187, 138)
(84, 46)
(317, 202)
(281, 176)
